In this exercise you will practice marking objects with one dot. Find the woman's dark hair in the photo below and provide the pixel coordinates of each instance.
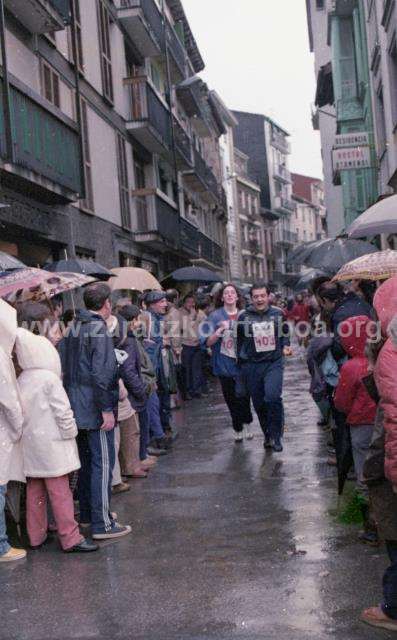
(189, 295)
(31, 315)
(68, 317)
(219, 296)
(368, 288)
(331, 291)
(130, 312)
(317, 282)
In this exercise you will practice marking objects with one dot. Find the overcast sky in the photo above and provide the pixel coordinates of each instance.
(257, 58)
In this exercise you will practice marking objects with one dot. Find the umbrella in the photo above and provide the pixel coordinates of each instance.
(38, 284)
(331, 254)
(375, 266)
(297, 255)
(78, 265)
(307, 278)
(195, 274)
(9, 262)
(380, 218)
(133, 278)
(343, 450)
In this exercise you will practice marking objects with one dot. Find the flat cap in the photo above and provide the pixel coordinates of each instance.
(154, 296)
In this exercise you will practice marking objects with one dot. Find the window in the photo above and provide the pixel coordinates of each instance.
(88, 202)
(319, 4)
(139, 168)
(393, 77)
(123, 182)
(79, 40)
(50, 84)
(380, 121)
(104, 49)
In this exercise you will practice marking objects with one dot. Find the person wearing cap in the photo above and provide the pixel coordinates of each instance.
(155, 344)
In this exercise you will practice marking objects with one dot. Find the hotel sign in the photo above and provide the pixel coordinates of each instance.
(356, 139)
(351, 151)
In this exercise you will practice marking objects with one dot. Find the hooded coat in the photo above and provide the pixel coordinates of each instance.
(351, 395)
(385, 303)
(11, 417)
(49, 429)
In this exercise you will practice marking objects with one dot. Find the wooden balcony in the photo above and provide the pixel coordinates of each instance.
(143, 23)
(156, 222)
(149, 118)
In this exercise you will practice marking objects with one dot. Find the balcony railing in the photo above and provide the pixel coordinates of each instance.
(284, 204)
(183, 146)
(284, 236)
(42, 142)
(205, 174)
(177, 51)
(156, 220)
(41, 16)
(149, 119)
(282, 172)
(144, 24)
(200, 246)
(279, 141)
(190, 238)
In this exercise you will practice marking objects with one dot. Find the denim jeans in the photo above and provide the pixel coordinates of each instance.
(389, 605)
(192, 364)
(144, 438)
(4, 546)
(153, 408)
(264, 383)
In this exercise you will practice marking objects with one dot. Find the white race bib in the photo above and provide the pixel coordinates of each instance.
(264, 336)
(228, 345)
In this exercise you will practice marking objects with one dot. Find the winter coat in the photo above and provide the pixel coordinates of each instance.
(90, 372)
(11, 418)
(222, 364)
(130, 371)
(300, 312)
(385, 303)
(350, 306)
(351, 395)
(49, 429)
(273, 332)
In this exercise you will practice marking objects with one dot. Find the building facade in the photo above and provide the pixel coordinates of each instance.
(109, 141)
(310, 218)
(267, 146)
(344, 91)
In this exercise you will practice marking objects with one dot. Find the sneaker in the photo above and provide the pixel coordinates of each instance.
(117, 531)
(120, 488)
(277, 447)
(13, 554)
(268, 443)
(376, 618)
(238, 436)
(248, 435)
(85, 546)
(154, 451)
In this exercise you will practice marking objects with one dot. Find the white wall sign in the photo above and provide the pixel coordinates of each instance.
(351, 158)
(358, 138)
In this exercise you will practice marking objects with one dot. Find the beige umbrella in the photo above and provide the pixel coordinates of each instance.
(374, 266)
(133, 278)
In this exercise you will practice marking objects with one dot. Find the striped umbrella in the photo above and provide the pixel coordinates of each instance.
(374, 266)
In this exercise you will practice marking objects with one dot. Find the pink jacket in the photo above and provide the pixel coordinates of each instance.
(385, 303)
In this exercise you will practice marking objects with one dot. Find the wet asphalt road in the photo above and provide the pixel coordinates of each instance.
(228, 542)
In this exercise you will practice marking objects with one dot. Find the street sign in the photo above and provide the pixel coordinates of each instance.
(358, 138)
(346, 158)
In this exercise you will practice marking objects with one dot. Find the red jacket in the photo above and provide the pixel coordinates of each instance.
(385, 303)
(351, 396)
(300, 312)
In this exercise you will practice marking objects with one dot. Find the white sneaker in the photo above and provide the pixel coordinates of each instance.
(238, 436)
(248, 435)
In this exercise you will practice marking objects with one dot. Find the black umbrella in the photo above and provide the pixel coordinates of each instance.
(195, 274)
(343, 449)
(8, 262)
(331, 254)
(297, 255)
(79, 265)
(307, 278)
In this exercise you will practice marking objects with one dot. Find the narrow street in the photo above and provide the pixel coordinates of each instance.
(230, 542)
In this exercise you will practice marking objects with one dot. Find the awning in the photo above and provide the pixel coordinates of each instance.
(325, 87)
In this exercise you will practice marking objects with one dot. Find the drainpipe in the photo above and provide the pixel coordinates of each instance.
(72, 252)
(169, 100)
(10, 156)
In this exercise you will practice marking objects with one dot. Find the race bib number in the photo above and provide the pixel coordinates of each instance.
(264, 337)
(228, 345)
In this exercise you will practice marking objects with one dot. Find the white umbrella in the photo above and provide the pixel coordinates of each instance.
(380, 218)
